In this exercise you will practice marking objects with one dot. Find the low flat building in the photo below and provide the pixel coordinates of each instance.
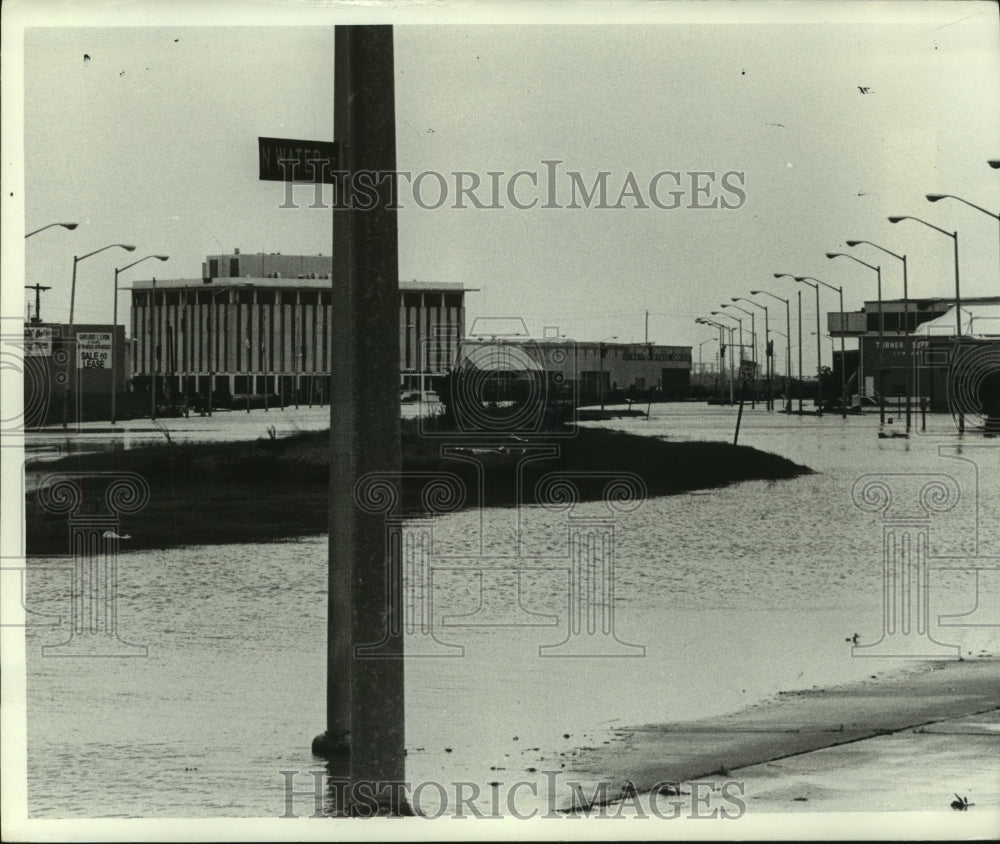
(906, 349)
(588, 371)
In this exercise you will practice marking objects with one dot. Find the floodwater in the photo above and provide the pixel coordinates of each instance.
(721, 598)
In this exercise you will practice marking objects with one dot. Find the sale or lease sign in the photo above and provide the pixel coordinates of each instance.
(93, 350)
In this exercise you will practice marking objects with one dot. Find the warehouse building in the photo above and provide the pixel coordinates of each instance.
(915, 348)
(584, 372)
(259, 325)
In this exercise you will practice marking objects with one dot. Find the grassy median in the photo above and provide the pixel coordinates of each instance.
(272, 489)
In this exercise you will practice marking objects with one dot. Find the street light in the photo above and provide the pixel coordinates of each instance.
(114, 333)
(843, 354)
(600, 354)
(69, 226)
(819, 351)
(76, 260)
(994, 163)
(799, 297)
(767, 340)
(934, 197)
(788, 343)
(954, 237)
(906, 320)
(722, 346)
(753, 340)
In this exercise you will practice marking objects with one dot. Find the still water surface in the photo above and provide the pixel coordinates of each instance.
(733, 594)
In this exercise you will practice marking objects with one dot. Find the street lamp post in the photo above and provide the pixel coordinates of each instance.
(114, 332)
(740, 323)
(906, 324)
(843, 357)
(77, 259)
(788, 343)
(819, 350)
(767, 346)
(753, 354)
(722, 345)
(958, 292)
(934, 197)
(799, 296)
(69, 226)
(601, 351)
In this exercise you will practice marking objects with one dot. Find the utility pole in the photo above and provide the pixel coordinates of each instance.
(364, 695)
(38, 288)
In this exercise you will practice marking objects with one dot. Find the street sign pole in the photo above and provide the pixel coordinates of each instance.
(748, 371)
(364, 696)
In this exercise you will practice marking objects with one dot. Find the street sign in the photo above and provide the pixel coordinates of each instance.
(292, 160)
(748, 369)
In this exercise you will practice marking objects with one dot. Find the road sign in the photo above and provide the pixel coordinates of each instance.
(748, 369)
(292, 160)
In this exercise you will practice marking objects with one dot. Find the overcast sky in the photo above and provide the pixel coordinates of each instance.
(836, 115)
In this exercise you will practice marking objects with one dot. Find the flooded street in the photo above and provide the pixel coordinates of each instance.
(721, 598)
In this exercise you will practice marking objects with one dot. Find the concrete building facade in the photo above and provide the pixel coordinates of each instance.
(261, 324)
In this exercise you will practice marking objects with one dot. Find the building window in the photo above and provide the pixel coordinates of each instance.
(234, 267)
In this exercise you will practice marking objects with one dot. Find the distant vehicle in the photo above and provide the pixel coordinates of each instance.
(411, 396)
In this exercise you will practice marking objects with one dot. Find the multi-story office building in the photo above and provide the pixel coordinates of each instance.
(260, 324)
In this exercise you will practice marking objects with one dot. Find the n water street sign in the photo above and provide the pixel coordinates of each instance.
(292, 160)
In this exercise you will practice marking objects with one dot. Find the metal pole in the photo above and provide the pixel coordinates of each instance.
(114, 356)
(881, 350)
(800, 351)
(819, 361)
(152, 353)
(843, 359)
(958, 322)
(788, 356)
(600, 381)
(909, 341)
(72, 290)
(958, 294)
(365, 696)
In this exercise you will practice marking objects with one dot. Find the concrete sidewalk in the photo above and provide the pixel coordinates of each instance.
(905, 742)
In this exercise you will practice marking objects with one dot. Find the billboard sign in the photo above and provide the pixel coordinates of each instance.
(37, 342)
(93, 350)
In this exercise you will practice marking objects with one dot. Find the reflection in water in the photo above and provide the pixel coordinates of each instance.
(733, 593)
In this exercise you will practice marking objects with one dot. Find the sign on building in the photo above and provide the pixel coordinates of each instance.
(93, 350)
(37, 342)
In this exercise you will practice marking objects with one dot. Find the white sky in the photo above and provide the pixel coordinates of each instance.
(152, 141)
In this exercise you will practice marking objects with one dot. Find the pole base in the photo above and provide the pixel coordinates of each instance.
(331, 747)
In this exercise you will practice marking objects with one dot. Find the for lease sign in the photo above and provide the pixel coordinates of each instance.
(93, 350)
